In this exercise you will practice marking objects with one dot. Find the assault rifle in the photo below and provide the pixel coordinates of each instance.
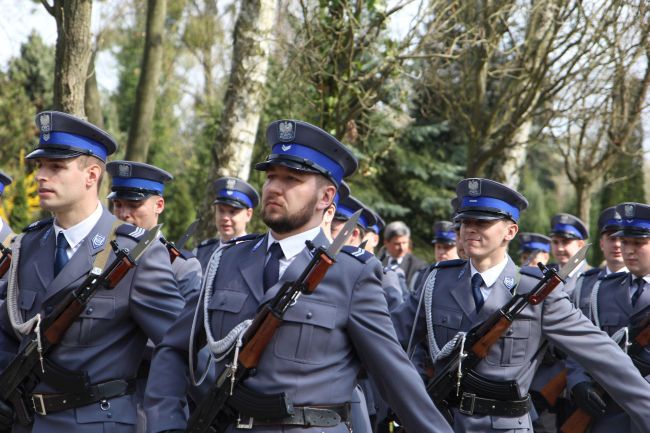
(212, 414)
(5, 260)
(639, 335)
(14, 386)
(174, 248)
(444, 388)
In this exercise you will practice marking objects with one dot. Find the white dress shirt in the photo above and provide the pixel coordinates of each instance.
(77, 233)
(291, 246)
(489, 277)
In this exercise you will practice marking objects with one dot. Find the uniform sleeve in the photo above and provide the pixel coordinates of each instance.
(165, 402)
(372, 333)
(188, 275)
(8, 341)
(392, 289)
(565, 326)
(155, 299)
(403, 318)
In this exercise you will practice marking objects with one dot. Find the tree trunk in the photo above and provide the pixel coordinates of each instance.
(93, 103)
(147, 93)
(514, 157)
(232, 151)
(73, 50)
(583, 200)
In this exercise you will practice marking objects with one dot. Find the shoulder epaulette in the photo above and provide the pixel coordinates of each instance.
(207, 242)
(614, 275)
(358, 253)
(130, 231)
(531, 271)
(38, 224)
(249, 237)
(392, 267)
(187, 254)
(591, 272)
(449, 263)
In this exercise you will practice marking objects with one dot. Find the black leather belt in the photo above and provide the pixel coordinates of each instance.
(305, 416)
(471, 404)
(98, 393)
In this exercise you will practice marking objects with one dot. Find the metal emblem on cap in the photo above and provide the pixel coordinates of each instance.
(474, 187)
(564, 219)
(229, 192)
(629, 210)
(45, 120)
(124, 170)
(286, 147)
(509, 282)
(286, 130)
(230, 183)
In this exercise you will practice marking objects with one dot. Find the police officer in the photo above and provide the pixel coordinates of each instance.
(328, 217)
(315, 355)
(534, 248)
(5, 231)
(104, 345)
(372, 235)
(444, 241)
(568, 234)
(609, 222)
(615, 301)
(234, 204)
(460, 294)
(137, 196)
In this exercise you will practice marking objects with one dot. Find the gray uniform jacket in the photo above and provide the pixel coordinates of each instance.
(108, 339)
(204, 250)
(187, 273)
(514, 356)
(5, 232)
(614, 312)
(316, 353)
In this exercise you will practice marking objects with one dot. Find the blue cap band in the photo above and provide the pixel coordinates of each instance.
(235, 195)
(335, 202)
(567, 228)
(349, 212)
(2, 188)
(532, 246)
(134, 182)
(447, 236)
(304, 152)
(76, 141)
(374, 228)
(636, 223)
(614, 223)
(490, 202)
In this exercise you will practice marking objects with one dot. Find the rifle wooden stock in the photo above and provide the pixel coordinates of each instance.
(317, 273)
(578, 422)
(552, 390)
(642, 339)
(539, 296)
(482, 346)
(54, 333)
(116, 275)
(253, 350)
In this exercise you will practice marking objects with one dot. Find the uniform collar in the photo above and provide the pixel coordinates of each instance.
(75, 234)
(609, 271)
(293, 245)
(491, 275)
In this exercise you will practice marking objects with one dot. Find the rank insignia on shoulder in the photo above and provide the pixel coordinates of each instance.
(38, 224)
(358, 253)
(450, 263)
(130, 231)
(615, 275)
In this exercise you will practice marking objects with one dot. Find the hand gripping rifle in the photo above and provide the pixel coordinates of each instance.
(637, 340)
(444, 388)
(174, 248)
(209, 415)
(46, 335)
(5, 260)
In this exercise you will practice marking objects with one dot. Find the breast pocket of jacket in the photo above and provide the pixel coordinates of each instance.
(512, 348)
(225, 309)
(93, 322)
(446, 324)
(306, 332)
(26, 299)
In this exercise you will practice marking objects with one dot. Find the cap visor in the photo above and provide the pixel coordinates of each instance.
(479, 215)
(128, 195)
(52, 154)
(631, 234)
(233, 203)
(263, 166)
(565, 235)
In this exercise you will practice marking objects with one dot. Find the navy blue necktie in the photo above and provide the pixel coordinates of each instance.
(272, 267)
(477, 282)
(639, 282)
(61, 254)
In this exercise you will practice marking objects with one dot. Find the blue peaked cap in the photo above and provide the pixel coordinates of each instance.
(534, 242)
(5, 180)
(635, 219)
(568, 226)
(235, 192)
(485, 199)
(63, 135)
(132, 180)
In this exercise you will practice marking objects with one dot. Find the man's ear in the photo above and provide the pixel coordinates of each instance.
(93, 175)
(511, 231)
(159, 205)
(327, 193)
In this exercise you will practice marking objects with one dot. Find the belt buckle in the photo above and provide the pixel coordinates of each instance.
(462, 407)
(245, 426)
(40, 407)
